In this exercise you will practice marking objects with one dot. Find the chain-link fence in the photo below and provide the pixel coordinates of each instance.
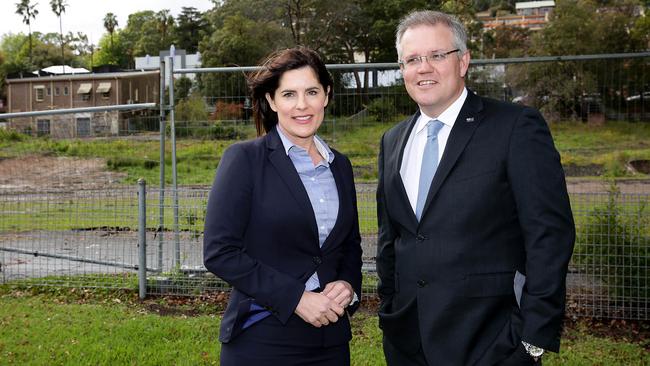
(90, 239)
(69, 207)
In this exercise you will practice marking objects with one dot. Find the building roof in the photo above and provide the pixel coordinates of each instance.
(89, 76)
(534, 4)
(63, 69)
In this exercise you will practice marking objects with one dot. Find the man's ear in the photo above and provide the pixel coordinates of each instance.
(464, 64)
(271, 102)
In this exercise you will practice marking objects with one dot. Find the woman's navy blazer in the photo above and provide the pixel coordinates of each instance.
(261, 236)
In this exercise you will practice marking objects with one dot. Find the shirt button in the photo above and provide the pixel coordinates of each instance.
(322, 200)
(422, 283)
(313, 179)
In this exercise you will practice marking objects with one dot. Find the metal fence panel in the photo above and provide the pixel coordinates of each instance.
(89, 239)
(67, 219)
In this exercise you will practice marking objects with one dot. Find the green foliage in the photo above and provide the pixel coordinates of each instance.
(112, 51)
(191, 26)
(182, 88)
(614, 243)
(383, 109)
(192, 109)
(11, 136)
(561, 89)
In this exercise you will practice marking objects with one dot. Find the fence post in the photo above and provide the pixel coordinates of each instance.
(172, 123)
(142, 237)
(161, 227)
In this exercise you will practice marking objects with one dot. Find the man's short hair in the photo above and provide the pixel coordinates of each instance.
(430, 17)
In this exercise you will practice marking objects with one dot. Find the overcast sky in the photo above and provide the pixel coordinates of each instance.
(87, 15)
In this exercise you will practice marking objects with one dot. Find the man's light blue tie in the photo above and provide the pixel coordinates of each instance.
(429, 164)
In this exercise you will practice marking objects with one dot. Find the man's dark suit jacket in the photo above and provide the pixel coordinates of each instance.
(261, 237)
(498, 204)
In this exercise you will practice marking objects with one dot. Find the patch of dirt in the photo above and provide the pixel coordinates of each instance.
(33, 173)
(572, 170)
(635, 186)
(635, 331)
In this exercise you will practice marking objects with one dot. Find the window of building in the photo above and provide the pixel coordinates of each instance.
(42, 127)
(49, 91)
(83, 127)
(40, 93)
(104, 89)
(84, 91)
(65, 90)
(57, 91)
(137, 99)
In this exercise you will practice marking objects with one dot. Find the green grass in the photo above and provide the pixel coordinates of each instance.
(54, 326)
(611, 146)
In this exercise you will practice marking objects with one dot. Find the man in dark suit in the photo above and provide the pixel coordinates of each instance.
(475, 226)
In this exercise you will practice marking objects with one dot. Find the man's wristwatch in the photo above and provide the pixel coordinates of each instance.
(534, 351)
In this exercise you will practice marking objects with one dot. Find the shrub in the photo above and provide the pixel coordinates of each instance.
(613, 243)
(228, 111)
(219, 131)
(11, 135)
(383, 109)
(192, 109)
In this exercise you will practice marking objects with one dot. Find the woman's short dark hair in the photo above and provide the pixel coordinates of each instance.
(267, 80)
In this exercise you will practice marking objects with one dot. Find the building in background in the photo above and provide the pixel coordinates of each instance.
(77, 91)
(181, 61)
(533, 15)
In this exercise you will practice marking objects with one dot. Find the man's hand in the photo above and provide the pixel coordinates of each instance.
(340, 292)
(318, 309)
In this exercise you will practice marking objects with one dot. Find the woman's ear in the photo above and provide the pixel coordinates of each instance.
(271, 102)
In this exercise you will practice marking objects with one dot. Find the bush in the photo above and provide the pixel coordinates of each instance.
(192, 109)
(383, 109)
(220, 132)
(228, 111)
(11, 135)
(613, 244)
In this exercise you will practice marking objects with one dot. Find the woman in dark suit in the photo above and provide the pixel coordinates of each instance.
(282, 228)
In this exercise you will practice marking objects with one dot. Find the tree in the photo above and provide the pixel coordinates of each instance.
(504, 41)
(464, 10)
(58, 8)
(558, 88)
(28, 12)
(15, 48)
(240, 42)
(191, 26)
(112, 51)
(110, 23)
(165, 26)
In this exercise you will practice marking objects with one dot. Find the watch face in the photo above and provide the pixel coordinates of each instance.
(536, 352)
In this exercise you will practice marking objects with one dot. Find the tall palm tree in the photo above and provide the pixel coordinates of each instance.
(58, 7)
(28, 12)
(110, 23)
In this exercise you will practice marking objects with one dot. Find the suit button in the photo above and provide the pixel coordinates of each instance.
(420, 237)
(317, 260)
(422, 283)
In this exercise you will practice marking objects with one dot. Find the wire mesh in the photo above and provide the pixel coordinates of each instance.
(69, 205)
